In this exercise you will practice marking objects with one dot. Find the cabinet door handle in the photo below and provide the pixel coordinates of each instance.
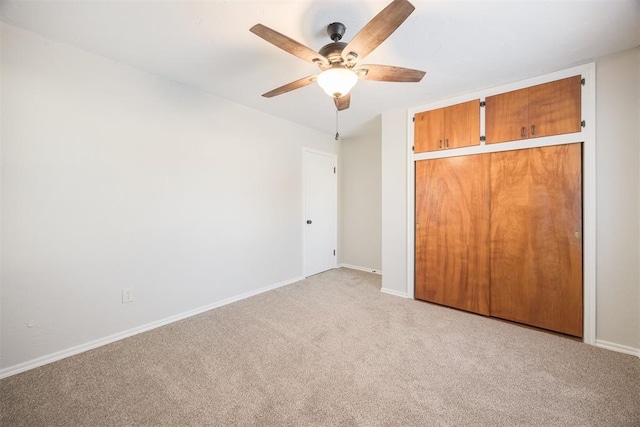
(439, 143)
(523, 131)
(533, 129)
(446, 143)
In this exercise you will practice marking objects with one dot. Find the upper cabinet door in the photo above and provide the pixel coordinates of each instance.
(547, 109)
(554, 108)
(449, 127)
(429, 131)
(507, 116)
(462, 124)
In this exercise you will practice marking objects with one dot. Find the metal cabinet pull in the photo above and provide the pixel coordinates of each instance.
(446, 143)
(523, 131)
(440, 143)
(533, 130)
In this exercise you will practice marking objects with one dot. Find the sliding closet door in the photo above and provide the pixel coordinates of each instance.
(536, 237)
(452, 232)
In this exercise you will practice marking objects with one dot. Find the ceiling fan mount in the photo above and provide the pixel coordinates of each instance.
(336, 31)
(338, 61)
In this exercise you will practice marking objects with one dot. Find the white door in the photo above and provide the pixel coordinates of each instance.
(320, 208)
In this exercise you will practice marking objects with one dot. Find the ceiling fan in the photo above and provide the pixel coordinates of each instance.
(338, 61)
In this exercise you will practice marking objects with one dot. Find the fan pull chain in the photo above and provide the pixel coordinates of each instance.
(337, 133)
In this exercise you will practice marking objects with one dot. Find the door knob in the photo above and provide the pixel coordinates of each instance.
(308, 221)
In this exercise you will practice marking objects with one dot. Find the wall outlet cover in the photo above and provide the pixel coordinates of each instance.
(127, 295)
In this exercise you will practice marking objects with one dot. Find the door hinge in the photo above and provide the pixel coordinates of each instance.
(583, 124)
(334, 169)
(482, 103)
(583, 81)
(483, 138)
(334, 252)
(414, 118)
(413, 148)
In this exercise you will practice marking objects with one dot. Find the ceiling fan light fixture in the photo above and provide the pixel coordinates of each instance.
(337, 81)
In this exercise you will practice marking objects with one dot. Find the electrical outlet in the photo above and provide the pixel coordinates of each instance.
(127, 295)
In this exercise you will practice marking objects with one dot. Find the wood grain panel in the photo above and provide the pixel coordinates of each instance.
(378, 29)
(536, 255)
(506, 115)
(429, 131)
(343, 102)
(452, 232)
(389, 73)
(462, 124)
(288, 44)
(290, 86)
(554, 107)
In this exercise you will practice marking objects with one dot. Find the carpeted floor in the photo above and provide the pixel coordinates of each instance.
(331, 350)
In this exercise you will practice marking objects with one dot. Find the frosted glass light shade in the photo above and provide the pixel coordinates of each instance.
(337, 82)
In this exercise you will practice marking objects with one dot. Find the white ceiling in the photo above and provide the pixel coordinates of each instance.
(463, 45)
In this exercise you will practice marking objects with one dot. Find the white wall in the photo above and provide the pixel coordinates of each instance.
(618, 201)
(394, 202)
(113, 178)
(618, 215)
(360, 198)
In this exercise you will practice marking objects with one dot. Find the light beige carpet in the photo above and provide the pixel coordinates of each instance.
(331, 350)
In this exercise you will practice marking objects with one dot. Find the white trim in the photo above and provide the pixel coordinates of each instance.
(411, 197)
(394, 293)
(568, 138)
(319, 152)
(306, 150)
(618, 347)
(357, 267)
(53, 357)
(589, 260)
(587, 136)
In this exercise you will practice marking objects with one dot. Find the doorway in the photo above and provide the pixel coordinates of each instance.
(320, 211)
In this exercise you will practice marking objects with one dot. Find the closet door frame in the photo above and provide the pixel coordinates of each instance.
(587, 136)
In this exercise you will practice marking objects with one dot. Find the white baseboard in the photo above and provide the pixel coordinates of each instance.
(618, 347)
(53, 357)
(394, 293)
(357, 267)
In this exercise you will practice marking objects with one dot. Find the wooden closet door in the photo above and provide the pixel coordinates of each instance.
(452, 232)
(554, 107)
(462, 124)
(536, 237)
(507, 116)
(428, 134)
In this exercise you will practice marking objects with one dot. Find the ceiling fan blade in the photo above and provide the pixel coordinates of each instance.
(388, 73)
(288, 44)
(343, 102)
(290, 86)
(377, 30)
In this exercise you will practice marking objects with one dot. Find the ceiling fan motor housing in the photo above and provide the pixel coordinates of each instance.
(333, 51)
